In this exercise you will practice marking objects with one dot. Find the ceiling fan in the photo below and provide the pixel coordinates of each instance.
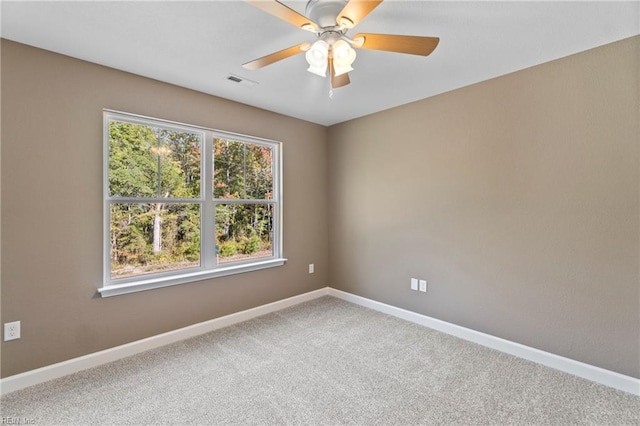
(330, 20)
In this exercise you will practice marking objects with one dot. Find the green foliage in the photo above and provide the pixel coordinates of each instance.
(242, 170)
(228, 248)
(149, 162)
(252, 245)
(131, 167)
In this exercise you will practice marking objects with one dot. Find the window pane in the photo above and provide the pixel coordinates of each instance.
(153, 237)
(146, 161)
(244, 231)
(242, 170)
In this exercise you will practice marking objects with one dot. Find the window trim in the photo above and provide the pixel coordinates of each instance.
(208, 267)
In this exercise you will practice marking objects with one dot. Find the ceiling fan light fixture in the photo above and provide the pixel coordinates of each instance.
(318, 53)
(317, 57)
(343, 56)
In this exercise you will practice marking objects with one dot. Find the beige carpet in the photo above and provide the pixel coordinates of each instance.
(322, 362)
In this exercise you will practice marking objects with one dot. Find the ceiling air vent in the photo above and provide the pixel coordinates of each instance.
(244, 82)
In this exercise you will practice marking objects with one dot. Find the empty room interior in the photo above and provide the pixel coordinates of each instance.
(399, 212)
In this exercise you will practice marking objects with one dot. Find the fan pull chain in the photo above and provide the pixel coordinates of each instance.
(331, 87)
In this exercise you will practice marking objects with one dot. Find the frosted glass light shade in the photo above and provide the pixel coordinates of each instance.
(321, 71)
(317, 56)
(343, 57)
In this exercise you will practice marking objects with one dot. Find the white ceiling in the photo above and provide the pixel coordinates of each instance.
(196, 44)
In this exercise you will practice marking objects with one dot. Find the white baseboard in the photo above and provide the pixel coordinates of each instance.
(54, 371)
(567, 365)
(576, 368)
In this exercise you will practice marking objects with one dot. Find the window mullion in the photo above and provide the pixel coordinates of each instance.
(208, 214)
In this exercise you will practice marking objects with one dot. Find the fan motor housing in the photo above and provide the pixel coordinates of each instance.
(324, 12)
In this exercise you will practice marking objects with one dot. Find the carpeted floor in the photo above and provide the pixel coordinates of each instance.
(322, 362)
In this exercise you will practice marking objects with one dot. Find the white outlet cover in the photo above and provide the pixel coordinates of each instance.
(311, 268)
(423, 286)
(11, 330)
(414, 284)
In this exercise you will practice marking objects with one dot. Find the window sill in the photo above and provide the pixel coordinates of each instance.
(149, 284)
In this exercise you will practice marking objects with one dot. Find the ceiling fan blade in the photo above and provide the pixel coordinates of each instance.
(285, 13)
(338, 81)
(277, 56)
(414, 45)
(355, 11)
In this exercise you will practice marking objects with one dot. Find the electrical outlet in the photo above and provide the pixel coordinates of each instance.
(11, 330)
(311, 268)
(423, 286)
(414, 284)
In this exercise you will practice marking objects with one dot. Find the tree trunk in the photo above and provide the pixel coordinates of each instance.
(157, 229)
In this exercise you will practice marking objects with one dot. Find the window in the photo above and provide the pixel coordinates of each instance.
(184, 203)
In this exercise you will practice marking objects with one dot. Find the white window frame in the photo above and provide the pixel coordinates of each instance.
(209, 268)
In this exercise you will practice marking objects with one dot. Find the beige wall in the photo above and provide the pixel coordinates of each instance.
(52, 209)
(516, 198)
